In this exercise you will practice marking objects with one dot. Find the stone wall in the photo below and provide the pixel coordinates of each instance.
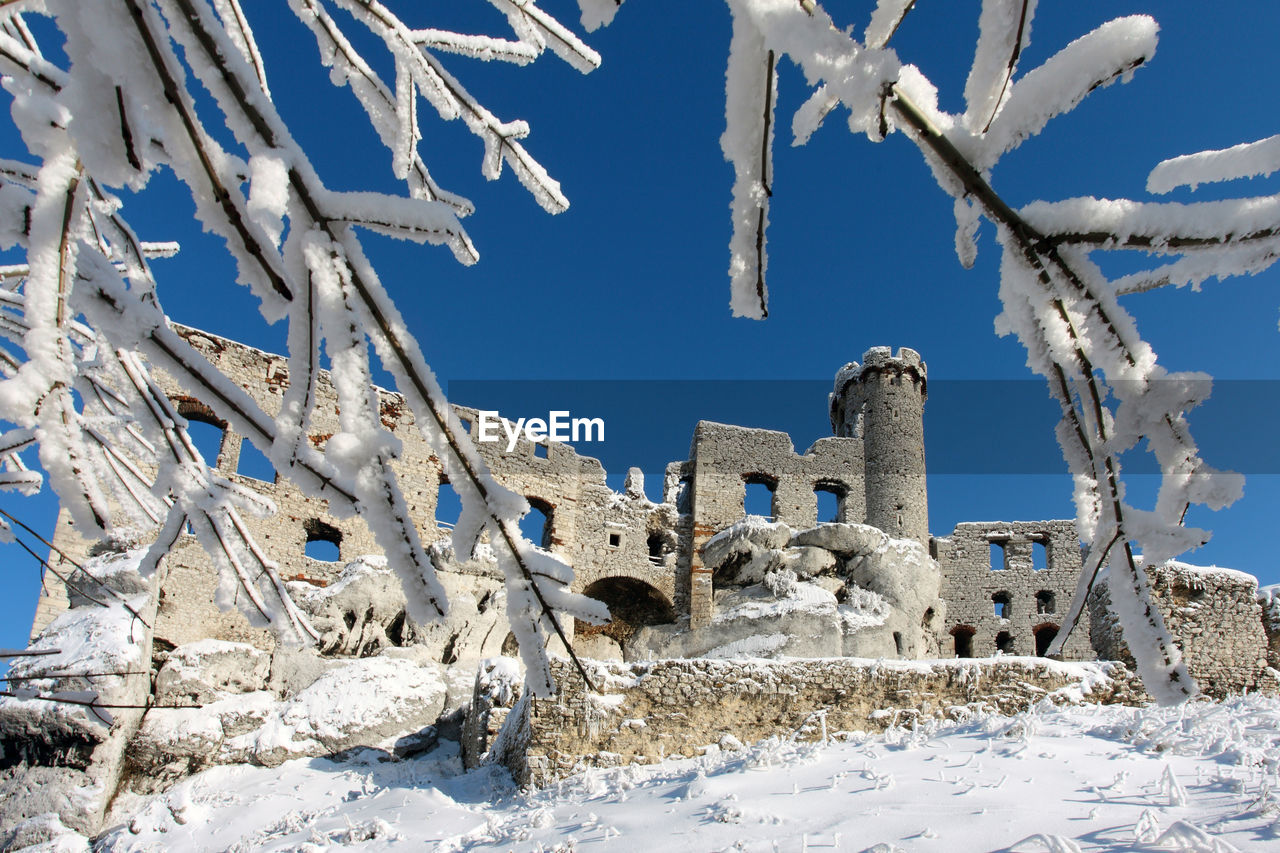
(648, 711)
(603, 534)
(644, 559)
(1269, 601)
(1212, 613)
(1003, 596)
(724, 459)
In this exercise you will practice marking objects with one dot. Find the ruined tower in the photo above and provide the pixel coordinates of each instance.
(881, 401)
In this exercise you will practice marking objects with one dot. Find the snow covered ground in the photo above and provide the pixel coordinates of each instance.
(1202, 777)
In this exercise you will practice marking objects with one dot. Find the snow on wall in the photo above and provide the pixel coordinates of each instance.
(672, 708)
(617, 542)
(1215, 616)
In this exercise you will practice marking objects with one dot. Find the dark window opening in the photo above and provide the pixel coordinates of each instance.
(1044, 635)
(897, 642)
(962, 635)
(830, 501)
(657, 548)
(540, 449)
(537, 522)
(615, 539)
(758, 496)
(1002, 603)
(1046, 602)
(1004, 643)
(997, 555)
(323, 541)
(395, 632)
(1039, 555)
(448, 505)
(254, 463)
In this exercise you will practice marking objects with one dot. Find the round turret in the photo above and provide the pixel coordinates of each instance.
(881, 401)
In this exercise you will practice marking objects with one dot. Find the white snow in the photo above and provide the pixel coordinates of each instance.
(1202, 777)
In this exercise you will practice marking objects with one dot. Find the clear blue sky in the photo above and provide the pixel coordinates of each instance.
(631, 284)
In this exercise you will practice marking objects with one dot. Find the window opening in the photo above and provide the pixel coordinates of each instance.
(1046, 602)
(536, 524)
(540, 449)
(615, 539)
(1039, 555)
(208, 440)
(323, 541)
(758, 496)
(448, 505)
(830, 501)
(1045, 635)
(997, 555)
(962, 635)
(1002, 604)
(657, 548)
(1004, 643)
(254, 463)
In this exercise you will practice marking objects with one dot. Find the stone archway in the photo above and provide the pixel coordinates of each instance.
(632, 603)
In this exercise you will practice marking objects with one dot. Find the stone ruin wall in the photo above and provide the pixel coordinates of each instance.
(662, 709)
(677, 706)
(1216, 618)
(986, 562)
(724, 459)
(582, 512)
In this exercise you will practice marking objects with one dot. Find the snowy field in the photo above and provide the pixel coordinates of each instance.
(1203, 777)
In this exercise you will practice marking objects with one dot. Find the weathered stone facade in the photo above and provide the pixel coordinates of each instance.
(652, 710)
(1007, 585)
(699, 591)
(1216, 618)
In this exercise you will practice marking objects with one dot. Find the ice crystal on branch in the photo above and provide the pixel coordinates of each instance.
(83, 317)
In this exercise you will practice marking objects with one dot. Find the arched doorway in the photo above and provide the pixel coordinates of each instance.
(632, 604)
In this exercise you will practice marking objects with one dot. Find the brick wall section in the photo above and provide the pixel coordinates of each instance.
(654, 709)
(969, 582)
(1212, 613)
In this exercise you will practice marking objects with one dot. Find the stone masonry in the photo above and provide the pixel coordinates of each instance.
(648, 711)
(1214, 614)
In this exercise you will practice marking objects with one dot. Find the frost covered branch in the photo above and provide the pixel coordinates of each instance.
(86, 306)
(1111, 391)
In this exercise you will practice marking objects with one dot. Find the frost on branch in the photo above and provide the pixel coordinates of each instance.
(83, 320)
(1113, 395)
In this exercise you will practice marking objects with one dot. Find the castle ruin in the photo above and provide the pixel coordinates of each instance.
(724, 623)
(648, 561)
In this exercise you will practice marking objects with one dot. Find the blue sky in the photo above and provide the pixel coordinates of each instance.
(630, 283)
